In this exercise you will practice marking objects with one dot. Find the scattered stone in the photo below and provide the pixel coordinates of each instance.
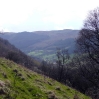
(58, 88)
(4, 75)
(51, 95)
(2, 84)
(50, 92)
(2, 91)
(76, 96)
(7, 83)
(50, 83)
(22, 78)
(19, 75)
(15, 70)
(3, 88)
(28, 75)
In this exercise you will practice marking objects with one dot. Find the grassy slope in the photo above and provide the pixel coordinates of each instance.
(17, 82)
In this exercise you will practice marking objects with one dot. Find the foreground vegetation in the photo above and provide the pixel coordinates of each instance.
(17, 82)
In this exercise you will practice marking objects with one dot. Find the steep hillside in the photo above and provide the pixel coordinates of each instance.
(24, 40)
(33, 43)
(17, 82)
(12, 53)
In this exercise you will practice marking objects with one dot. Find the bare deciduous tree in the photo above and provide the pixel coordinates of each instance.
(88, 40)
(63, 57)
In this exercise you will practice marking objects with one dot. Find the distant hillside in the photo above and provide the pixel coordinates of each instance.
(17, 82)
(45, 41)
(12, 53)
(24, 40)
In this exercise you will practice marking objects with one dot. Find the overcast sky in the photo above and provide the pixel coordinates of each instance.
(36, 15)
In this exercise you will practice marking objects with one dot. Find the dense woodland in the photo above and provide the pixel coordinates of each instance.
(80, 71)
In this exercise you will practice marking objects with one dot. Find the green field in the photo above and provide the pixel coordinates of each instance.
(43, 54)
